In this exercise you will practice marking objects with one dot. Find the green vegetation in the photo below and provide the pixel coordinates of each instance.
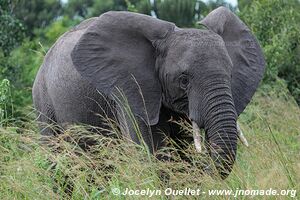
(35, 14)
(31, 171)
(271, 121)
(5, 101)
(11, 29)
(276, 26)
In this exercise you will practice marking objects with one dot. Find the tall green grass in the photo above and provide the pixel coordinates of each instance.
(29, 170)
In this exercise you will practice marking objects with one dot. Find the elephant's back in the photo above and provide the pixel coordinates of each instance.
(58, 56)
(58, 69)
(61, 49)
(73, 98)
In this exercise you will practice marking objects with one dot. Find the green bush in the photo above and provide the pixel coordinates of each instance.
(23, 63)
(20, 69)
(50, 34)
(36, 14)
(5, 101)
(11, 29)
(276, 25)
(178, 11)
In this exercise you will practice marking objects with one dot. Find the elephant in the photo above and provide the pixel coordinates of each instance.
(205, 75)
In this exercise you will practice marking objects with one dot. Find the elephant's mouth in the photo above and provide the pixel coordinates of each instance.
(203, 147)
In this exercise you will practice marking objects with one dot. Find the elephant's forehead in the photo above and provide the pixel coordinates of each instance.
(197, 40)
(199, 45)
(196, 36)
(186, 54)
(178, 59)
(194, 48)
(189, 42)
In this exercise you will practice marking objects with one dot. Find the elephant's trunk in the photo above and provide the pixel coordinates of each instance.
(218, 117)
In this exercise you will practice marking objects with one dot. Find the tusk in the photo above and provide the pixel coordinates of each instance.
(197, 137)
(241, 136)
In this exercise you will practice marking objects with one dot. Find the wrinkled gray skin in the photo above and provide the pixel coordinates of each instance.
(207, 76)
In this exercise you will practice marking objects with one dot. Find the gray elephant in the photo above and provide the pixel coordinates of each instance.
(206, 76)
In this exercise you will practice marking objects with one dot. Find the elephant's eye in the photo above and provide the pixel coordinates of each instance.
(184, 81)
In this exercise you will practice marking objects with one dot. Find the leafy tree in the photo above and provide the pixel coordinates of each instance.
(186, 12)
(92, 8)
(101, 6)
(181, 12)
(201, 10)
(52, 32)
(5, 101)
(36, 13)
(243, 4)
(11, 29)
(276, 25)
(21, 66)
(142, 6)
(213, 4)
(80, 8)
(20, 69)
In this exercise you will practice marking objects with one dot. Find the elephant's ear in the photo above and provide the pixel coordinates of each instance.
(116, 53)
(244, 51)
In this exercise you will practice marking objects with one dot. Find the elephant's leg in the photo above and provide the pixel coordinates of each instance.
(45, 114)
(162, 132)
(135, 128)
(166, 130)
(47, 122)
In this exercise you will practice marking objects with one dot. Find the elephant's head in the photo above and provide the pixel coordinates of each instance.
(209, 75)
